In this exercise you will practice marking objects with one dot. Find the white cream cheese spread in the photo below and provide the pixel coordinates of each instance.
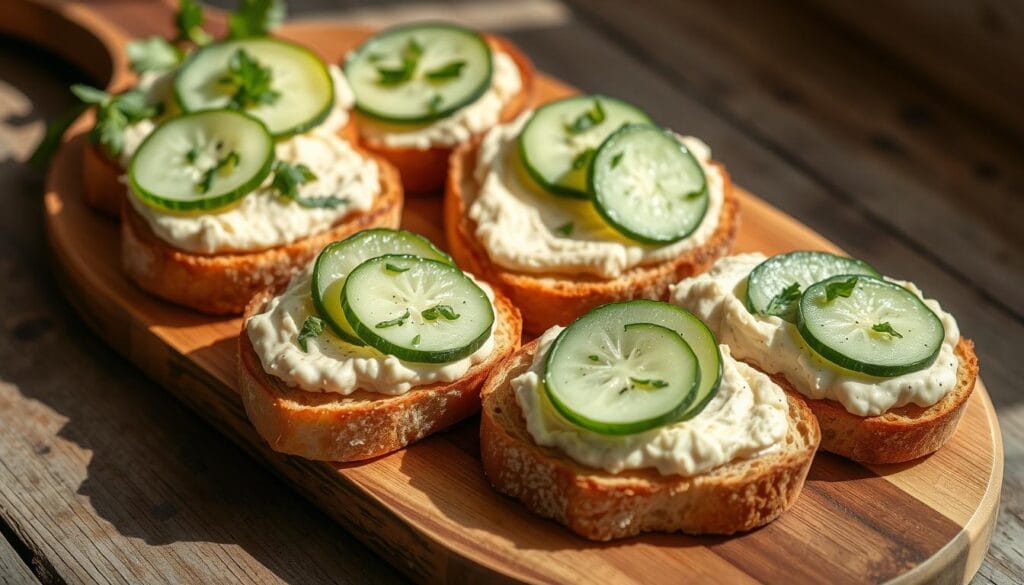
(775, 345)
(264, 220)
(746, 418)
(331, 365)
(461, 125)
(519, 226)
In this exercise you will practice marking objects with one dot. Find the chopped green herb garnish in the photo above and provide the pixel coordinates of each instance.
(843, 288)
(255, 18)
(566, 228)
(249, 81)
(397, 321)
(311, 327)
(446, 72)
(228, 163)
(593, 358)
(438, 311)
(652, 383)
(410, 57)
(114, 113)
(288, 177)
(189, 21)
(329, 202)
(416, 340)
(782, 304)
(886, 327)
(395, 268)
(152, 54)
(192, 155)
(587, 120)
(435, 103)
(617, 159)
(583, 159)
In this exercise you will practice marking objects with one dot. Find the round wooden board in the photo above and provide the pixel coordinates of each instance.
(428, 509)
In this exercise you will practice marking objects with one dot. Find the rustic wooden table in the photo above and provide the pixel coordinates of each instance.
(105, 477)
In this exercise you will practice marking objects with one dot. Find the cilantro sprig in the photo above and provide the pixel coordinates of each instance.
(287, 179)
(256, 18)
(886, 327)
(587, 120)
(396, 322)
(438, 311)
(311, 327)
(223, 166)
(410, 60)
(250, 82)
(189, 21)
(842, 288)
(114, 113)
(153, 54)
(783, 304)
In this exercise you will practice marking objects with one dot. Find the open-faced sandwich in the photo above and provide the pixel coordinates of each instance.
(380, 342)
(885, 370)
(251, 180)
(584, 202)
(423, 89)
(634, 419)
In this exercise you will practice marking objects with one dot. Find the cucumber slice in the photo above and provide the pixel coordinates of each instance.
(869, 325)
(620, 379)
(339, 258)
(417, 73)
(648, 186)
(416, 309)
(301, 91)
(560, 139)
(607, 321)
(770, 288)
(202, 161)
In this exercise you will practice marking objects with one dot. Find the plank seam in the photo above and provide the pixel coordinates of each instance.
(36, 563)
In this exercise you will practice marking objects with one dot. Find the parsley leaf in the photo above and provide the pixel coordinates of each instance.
(652, 383)
(329, 202)
(189, 21)
(152, 54)
(229, 162)
(250, 82)
(583, 159)
(566, 228)
(842, 288)
(587, 120)
(782, 304)
(399, 321)
(617, 159)
(255, 18)
(446, 71)
(438, 311)
(288, 177)
(593, 358)
(410, 57)
(886, 327)
(114, 113)
(311, 327)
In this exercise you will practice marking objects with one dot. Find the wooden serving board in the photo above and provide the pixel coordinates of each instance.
(428, 509)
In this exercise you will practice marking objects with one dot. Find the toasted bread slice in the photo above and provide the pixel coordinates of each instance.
(557, 299)
(102, 188)
(423, 170)
(903, 433)
(223, 284)
(598, 505)
(330, 427)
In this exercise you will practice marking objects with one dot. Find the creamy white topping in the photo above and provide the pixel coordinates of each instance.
(462, 124)
(746, 418)
(518, 226)
(332, 365)
(264, 220)
(775, 345)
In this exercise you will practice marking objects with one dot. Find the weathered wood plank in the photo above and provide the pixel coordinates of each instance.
(13, 571)
(103, 476)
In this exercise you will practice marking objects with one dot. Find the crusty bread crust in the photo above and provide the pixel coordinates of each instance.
(902, 434)
(598, 505)
(557, 299)
(423, 171)
(221, 284)
(330, 427)
(101, 176)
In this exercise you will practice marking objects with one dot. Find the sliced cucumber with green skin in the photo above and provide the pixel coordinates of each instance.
(879, 329)
(303, 85)
(768, 282)
(648, 186)
(339, 258)
(418, 73)
(560, 139)
(622, 379)
(201, 161)
(603, 326)
(416, 309)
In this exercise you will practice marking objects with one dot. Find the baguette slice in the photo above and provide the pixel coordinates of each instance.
(423, 171)
(223, 284)
(598, 505)
(102, 188)
(557, 299)
(330, 427)
(903, 433)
